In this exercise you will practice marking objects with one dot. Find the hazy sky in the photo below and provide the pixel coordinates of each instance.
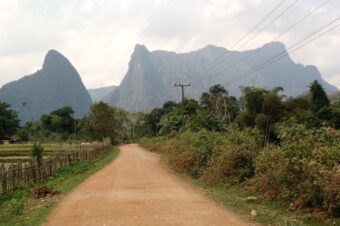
(98, 36)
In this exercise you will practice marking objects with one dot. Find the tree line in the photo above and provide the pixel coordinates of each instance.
(101, 122)
(258, 108)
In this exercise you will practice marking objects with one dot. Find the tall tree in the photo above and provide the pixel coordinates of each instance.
(60, 120)
(319, 101)
(252, 103)
(101, 120)
(9, 122)
(262, 108)
(154, 117)
(217, 101)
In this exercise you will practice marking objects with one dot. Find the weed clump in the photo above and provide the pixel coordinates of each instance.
(37, 153)
(42, 191)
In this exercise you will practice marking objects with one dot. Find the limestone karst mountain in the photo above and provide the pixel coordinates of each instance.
(100, 93)
(150, 79)
(56, 85)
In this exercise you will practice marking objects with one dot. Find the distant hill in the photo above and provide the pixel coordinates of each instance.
(150, 79)
(56, 85)
(98, 94)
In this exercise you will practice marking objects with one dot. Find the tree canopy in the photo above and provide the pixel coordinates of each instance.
(9, 122)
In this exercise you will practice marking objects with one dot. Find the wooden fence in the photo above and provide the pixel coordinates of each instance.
(21, 174)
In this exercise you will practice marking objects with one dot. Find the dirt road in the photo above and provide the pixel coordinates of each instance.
(136, 190)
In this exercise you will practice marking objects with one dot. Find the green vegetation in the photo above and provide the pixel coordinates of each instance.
(60, 120)
(37, 153)
(102, 122)
(263, 144)
(225, 165)
(282, 150)
(23, 152)
(9, 122)
(21, 208)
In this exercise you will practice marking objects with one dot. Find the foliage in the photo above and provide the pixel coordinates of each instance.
(104, 121)
(138, 122)
(218, 102)
(153, 119)
(304, 169)
(262, 109)
(233, 163)
(37, 152)
(101, 120)
(319, 100)
(9, 122)
(60, 121)
(335, 120)
(286, 148)
(211, 155)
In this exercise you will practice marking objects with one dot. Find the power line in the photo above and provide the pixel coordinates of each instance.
(215, 62)
(302, 19)
(298, 43)
(256, 34)
(258, 24)
(263, 29)
(270, 23)
(297, 48)
(291, 49)
(282, 33)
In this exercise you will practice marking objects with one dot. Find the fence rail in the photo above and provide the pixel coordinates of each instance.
(21, 174)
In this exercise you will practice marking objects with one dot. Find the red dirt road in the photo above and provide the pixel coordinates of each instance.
(136, 190)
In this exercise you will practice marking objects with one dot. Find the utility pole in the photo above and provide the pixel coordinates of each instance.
(182, 86)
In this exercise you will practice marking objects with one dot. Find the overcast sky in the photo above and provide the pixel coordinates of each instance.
(98, 36)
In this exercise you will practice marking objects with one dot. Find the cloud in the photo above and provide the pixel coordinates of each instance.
(99, 36)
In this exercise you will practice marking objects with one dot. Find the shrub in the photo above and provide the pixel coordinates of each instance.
(217, 157)
(233, 162)
(304, 169)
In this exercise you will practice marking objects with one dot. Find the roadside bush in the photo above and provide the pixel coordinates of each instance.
(216, 157)
(304, 169)
(233, 162)
(152, 143)
(204, 144)
(188, 152)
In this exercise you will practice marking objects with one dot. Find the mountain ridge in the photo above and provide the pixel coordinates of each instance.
(56, 85)
(149, 80)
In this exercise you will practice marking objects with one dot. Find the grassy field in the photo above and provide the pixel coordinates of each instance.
(12, 153)
(47, 147)
(20, 208)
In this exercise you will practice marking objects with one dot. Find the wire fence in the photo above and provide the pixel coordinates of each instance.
(22, 174)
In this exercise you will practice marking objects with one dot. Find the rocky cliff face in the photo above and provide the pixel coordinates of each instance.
(56, 85)
(150, 79)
